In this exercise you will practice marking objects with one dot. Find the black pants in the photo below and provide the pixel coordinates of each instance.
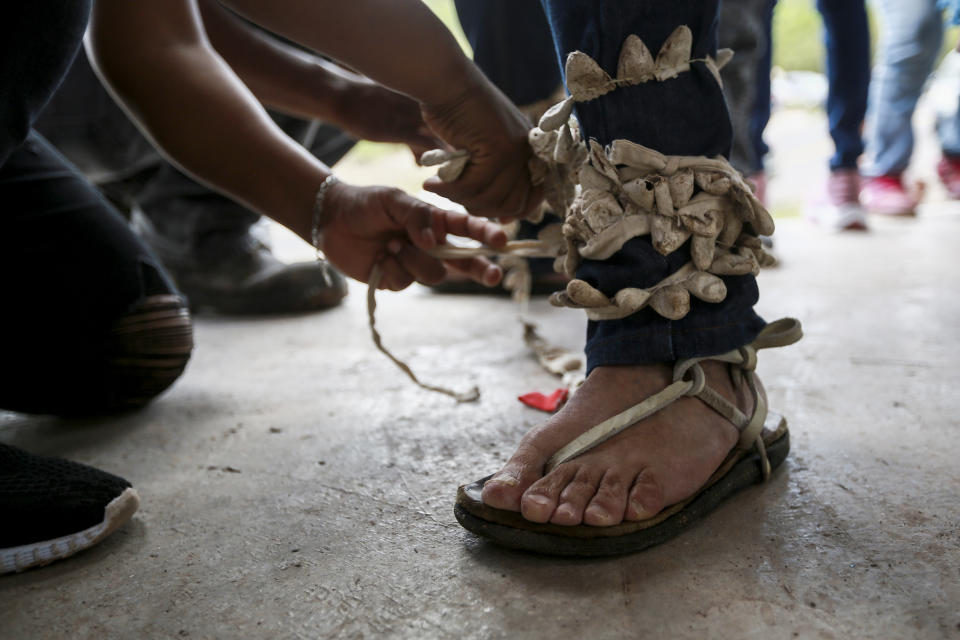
(70, 268)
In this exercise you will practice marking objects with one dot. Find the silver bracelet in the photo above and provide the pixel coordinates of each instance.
(316, 235)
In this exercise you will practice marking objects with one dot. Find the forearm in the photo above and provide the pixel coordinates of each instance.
(189, 102)
(406, 47)
(279, 75)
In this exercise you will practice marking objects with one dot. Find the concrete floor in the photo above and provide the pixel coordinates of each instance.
(295, 485)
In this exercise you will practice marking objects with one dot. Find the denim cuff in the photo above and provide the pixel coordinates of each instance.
(647, 338)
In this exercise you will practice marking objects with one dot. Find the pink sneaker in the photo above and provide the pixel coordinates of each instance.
(949, 171)
(838, 208)
(885, 195)
(758, 181)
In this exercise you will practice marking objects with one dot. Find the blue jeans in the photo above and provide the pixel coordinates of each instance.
(760, 112)
(683, 116)
(846, 37)
(513, 46)
(911, 34)
(744, 27)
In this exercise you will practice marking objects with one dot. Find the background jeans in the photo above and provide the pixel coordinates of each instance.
(745, 28)
(513, 46)
(686, 115)
(846, 37)
(762, 99)
(911, 34)
(948, 131)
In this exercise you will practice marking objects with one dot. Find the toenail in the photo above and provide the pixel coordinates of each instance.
(600, 514)
(565, 510)
(504, 479)
(542, 501)
(639, 511)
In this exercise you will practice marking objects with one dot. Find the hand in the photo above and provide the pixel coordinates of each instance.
(373, 112)
(366, 225)
(496, 182)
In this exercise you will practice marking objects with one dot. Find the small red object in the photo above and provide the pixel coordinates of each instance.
(543, 402)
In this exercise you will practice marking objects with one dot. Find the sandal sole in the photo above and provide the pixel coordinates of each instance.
(509, 529)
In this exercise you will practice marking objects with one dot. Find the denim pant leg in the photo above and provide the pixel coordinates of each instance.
(686, 115)
(742, 29)
(948, 131)
(70, 269)
(911, 33)
(760, 115)
(847, 39)
(38, 41)
(512, 44)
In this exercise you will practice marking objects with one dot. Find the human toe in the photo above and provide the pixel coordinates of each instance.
(574, 499)
(505, 488)
(608, 505)
(646, 497)
(540, 500)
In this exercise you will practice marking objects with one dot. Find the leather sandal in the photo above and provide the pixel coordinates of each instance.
(763, 446)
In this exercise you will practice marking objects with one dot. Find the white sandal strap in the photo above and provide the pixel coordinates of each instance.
(776, 334)
(612, 426)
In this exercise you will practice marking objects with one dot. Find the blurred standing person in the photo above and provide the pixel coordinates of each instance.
(910, 38)
(746, 27)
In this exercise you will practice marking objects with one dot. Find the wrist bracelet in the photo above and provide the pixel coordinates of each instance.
(316, 234)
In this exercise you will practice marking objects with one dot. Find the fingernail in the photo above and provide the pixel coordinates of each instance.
(427, 236)
(492, 275)
(394, 246)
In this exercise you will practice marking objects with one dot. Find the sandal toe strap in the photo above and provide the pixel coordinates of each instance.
(689, 380)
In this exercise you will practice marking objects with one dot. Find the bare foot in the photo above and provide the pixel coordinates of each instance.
(656, 463)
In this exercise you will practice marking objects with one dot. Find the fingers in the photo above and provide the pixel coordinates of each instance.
(516, 200)
(426, 225)
(421, 266)
(530, 204)
(506, 195)
(420, 144)
(395, 276)
(477, 269)
(405, 264)
(414, 216)
(468, 226)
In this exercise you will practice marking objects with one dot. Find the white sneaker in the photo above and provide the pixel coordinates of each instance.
(838, 208)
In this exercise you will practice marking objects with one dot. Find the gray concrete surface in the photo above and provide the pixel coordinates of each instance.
(294, 485)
